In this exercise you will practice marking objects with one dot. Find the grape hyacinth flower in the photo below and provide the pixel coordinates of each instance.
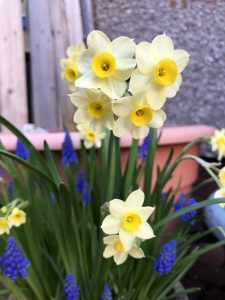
(191, 214)
(80, 181)
(71, 289)
(86, 196)
(13, 263)
(180, 202)
(106, 293)
(166, 259)
(21, 150)
(10, 188)
(143, 149)
(69, 156)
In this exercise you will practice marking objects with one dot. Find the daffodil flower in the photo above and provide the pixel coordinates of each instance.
(4, 226)
(129, 219)
(220, 194)
(136, 116)
(106, 65)
(93, 107)
(115, 248)
(222, 176)
(91, 138)
(17, 217)
(69, 67)
(158, 71)
(218, 142)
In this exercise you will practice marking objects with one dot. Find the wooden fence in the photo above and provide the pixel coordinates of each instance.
(52, 25)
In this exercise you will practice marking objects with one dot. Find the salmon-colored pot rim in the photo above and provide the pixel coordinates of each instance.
(168, 136)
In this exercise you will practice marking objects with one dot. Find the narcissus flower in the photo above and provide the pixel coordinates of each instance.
(137, 116)
(129, 219)
(91, 138)
(218, 142)
(4, 226)
(94, 107)
(158, 71)
(116, 249)
(222, 176)
(220, 194)
(70, 71)
(17, 217)
(106, 64)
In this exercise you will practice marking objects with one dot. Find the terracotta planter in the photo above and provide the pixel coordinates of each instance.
(176, 137)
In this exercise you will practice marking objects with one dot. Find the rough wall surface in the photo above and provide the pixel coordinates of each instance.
(197, 26)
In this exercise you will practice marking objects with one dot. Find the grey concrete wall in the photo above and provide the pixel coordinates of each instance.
(197, 26)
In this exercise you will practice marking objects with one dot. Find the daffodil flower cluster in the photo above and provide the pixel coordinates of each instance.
(123, 86)
(11, 216)
(218, 142)
(127, 227)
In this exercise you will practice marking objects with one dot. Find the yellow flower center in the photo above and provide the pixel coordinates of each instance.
(165, 72)
(103, 64)
(17, 217)
(221, 141)
(3, 223)
(223, 195)
(96, 109)
(119, 246)
(90, 136)
(71, 74)
(141, 115)
(131, 221)
(222, 176)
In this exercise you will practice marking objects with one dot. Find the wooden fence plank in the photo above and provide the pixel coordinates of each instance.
(13, 99)
(54, 25)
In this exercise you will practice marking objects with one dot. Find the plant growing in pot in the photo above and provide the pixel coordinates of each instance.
(94, 230)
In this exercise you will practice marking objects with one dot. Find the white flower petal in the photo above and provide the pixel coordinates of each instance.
(122, 126)
(109, 251)
(88, 80)
(145, 212)
(117, 208)
(182, 58)
(135, 200)
(156, 96)
(88, 144)
(173, 89)
(123, 47)
(97, 41)
(111, 239)
(145, 231)
(139, 82)
(120, 258)
(111, 225)
(163, 44)
(63, 63)
(123, 106)
(136, 252)
(98, 143)
(79, 99)
(127, 239)
(158, 120)
(124, 68)
(109, 121)
(139, 132)
(146, 57)
(84, 62)
(81, 116)
(113, 88)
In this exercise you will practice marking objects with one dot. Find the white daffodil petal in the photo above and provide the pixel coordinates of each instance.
(81, 116)
(78, 99)
(136, 252)
(109, 121)
(145, 231)
(139, 132)
(88, 144)
(145, 57)
(123, 47)
(98, 143)
(182, 58)
(135, 200)
(127, 239)
(113, 88)
(109, 251)
(156, 96)
(117, 208)
(158, 119)
(139, 82)
(121, 126)
(63, 63)
(120, 258)
(97, 41)
(172, 90)
(84, 62)
(112, 239)
(145, 212)
(111, 225)
(163, 44)
(88, 80)
(124, 68)
(122, 107)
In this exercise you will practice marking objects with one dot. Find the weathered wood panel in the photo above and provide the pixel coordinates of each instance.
(13, 100)
(54, 25)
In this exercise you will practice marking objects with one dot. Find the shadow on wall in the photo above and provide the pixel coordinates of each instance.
(195, 25)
